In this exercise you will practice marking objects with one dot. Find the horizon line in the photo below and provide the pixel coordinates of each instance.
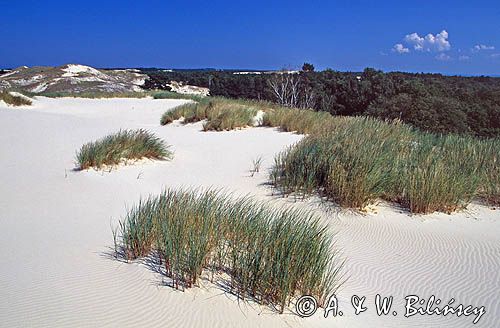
(259, 70)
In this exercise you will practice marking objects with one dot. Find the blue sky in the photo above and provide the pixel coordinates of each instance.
(343, 35)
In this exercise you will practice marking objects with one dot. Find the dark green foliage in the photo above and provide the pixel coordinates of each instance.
(431, 102)
(124, 145)
(432, 113)
(307, 67)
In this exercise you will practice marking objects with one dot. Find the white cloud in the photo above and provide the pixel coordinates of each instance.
(443, 57)
(399, 48)
(495, 55)
(415, 40)
(479, 47)
(430, 42)
(463, 57)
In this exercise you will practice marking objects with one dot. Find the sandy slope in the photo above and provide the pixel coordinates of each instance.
(55, 267)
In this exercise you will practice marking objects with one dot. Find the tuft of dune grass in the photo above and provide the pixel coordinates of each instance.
(14, 100)
(302, 121)
(271, 255)
(226, 114)
(490, 186)
(175, 95)
(123, 145)
(363, 159)
(190, 112)
(220, 114)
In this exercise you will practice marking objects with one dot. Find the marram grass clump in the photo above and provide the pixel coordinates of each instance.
(359, 160)
(271, 255)
(15, 99)
(490, 187)
(220, 114)
(303, 121)
(191, 112)
(174, 95)
(120, 146)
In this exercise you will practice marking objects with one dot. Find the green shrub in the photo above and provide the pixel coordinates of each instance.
(126, 144)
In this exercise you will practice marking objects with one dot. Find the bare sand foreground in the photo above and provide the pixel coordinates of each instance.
(55, 240)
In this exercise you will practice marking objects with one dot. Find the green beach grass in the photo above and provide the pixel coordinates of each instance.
(220, 114)
(123, 145)
(359, 160)
(356, 160)
(271, 255)
(14, 100)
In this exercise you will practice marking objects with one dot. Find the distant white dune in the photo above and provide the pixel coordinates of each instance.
(73, 70)
(247, 73)
(188, 89)
(72, 78)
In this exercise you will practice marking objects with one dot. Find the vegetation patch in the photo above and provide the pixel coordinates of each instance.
(302, 121)
(111, 94)
(175, 95)
(124, 145)
(271, 255)
(90, 95)
(490, 188)
(220, 114)
(14, 99)
(358, 160)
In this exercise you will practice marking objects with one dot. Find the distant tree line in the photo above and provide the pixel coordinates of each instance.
(431, 102)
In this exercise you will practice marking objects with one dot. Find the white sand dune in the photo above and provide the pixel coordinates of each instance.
(55, 264)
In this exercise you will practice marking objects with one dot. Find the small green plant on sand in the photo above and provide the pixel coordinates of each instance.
(256, 163)
(123, 145)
